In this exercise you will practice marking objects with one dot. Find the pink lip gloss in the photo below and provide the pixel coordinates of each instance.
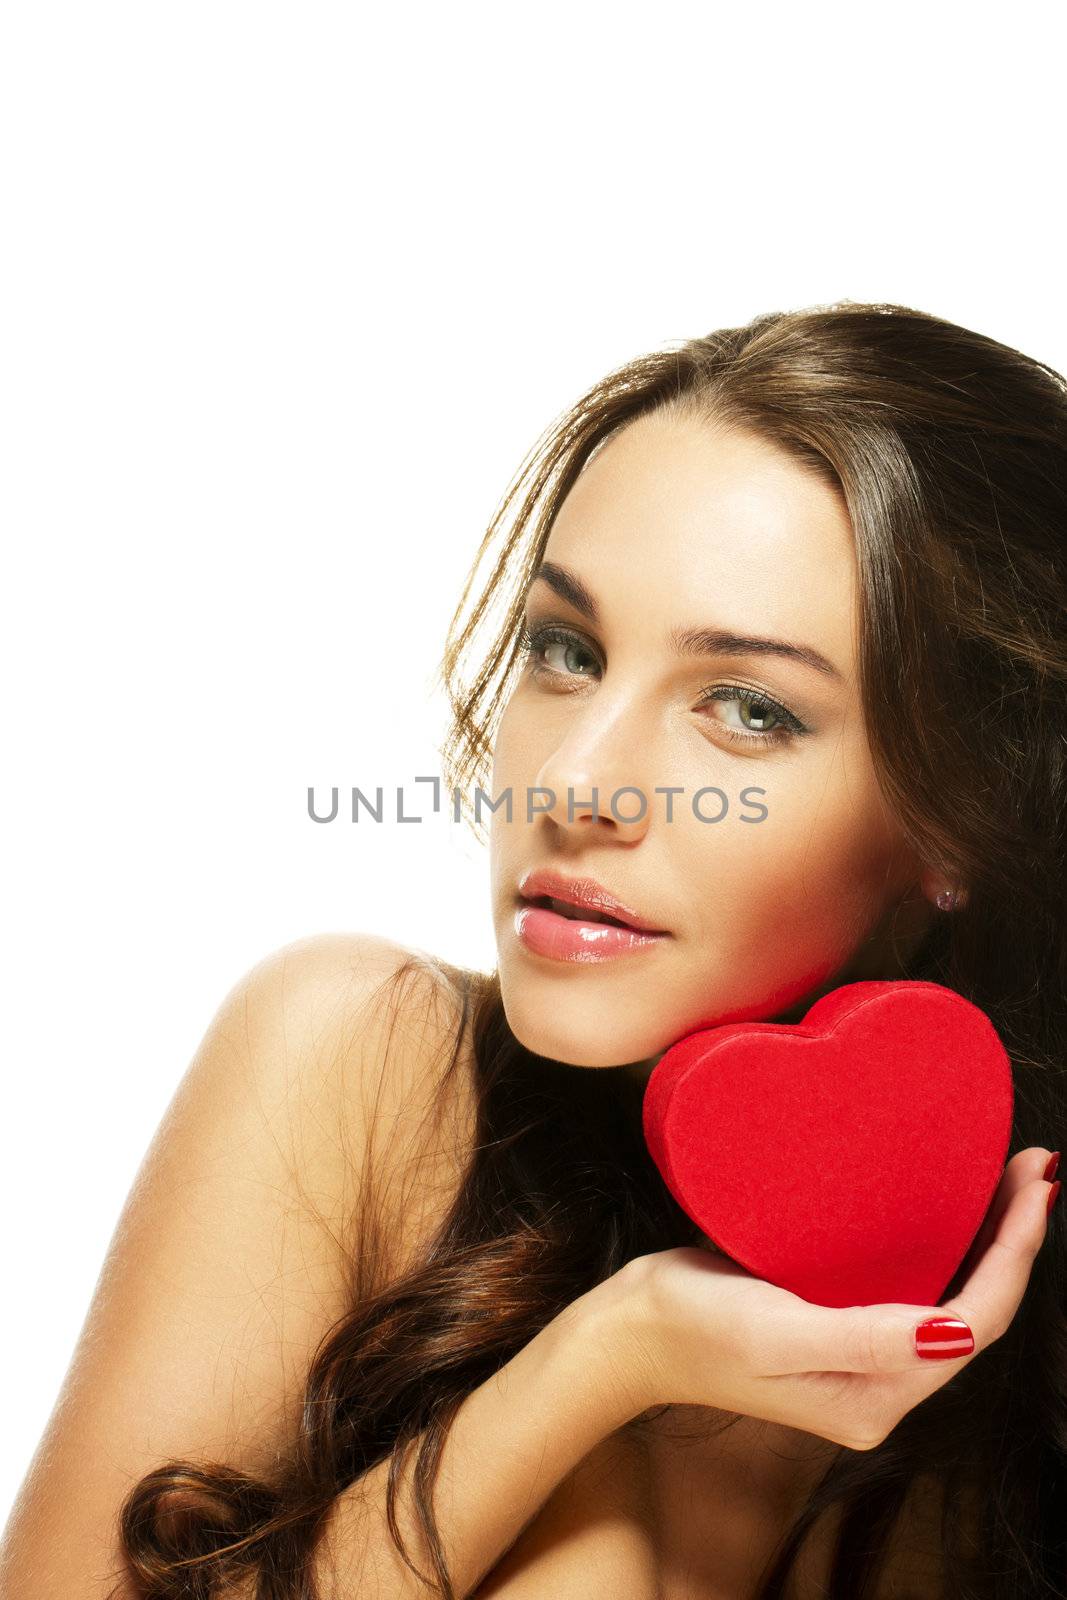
(547, 933)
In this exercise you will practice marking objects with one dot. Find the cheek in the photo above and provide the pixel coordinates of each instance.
(782, 909)
(817, 871)
(519, 750)
(508, 769)
(508, 752)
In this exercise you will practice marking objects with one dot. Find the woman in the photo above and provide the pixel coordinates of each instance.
(813, 567)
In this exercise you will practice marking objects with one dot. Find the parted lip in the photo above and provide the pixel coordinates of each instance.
(582, 892)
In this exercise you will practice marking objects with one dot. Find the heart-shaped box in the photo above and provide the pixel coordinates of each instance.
(850, 1157)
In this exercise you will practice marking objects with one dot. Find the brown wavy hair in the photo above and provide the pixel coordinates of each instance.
(951, 452)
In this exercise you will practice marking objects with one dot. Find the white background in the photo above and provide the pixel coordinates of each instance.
(288, 293)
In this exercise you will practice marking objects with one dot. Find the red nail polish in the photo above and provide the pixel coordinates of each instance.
(1053, 1192)
(943, 1338)
(1050, 1171)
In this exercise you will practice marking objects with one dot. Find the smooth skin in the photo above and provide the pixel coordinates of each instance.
(230, 1261)
(674, 524)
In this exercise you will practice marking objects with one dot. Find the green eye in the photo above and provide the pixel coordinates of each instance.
(759, 707)
(535, 644)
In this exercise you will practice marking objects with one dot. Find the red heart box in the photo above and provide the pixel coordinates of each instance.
(849, 1158)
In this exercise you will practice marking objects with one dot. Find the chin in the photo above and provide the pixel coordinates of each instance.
(582, 1046)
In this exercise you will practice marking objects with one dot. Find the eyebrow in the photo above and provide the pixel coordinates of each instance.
(687, 641)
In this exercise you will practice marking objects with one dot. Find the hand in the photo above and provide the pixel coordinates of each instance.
(694, 1328)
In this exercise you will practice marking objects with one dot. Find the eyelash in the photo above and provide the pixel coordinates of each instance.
(534, 641)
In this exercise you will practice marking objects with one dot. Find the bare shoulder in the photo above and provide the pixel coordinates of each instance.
(336, 999)
(388, 1060)
(334, 1063)
(380, 1087)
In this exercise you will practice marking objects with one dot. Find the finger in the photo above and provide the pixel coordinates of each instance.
(879, 1339)
(992, 1294)
(1023, 1168)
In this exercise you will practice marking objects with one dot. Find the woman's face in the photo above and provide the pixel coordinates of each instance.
(675, 526)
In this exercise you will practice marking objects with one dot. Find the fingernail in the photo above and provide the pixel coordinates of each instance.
(1050, 1171)
(1053, 1192)
(943, 1338)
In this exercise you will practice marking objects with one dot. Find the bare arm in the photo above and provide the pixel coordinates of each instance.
(511, 1443)
(229, 1263)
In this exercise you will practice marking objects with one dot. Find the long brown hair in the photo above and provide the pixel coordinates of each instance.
(951, 452)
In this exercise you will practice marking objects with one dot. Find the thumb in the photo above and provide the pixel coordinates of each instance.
(802, 1336)
(892, 1338)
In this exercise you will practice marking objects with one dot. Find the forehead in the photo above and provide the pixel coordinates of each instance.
(675, 521)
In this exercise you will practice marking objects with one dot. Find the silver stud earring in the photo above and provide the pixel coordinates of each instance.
(947, 899)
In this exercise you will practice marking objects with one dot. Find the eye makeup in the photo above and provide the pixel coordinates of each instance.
(753, 703)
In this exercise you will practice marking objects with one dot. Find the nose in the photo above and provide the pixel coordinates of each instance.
(598, 754)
